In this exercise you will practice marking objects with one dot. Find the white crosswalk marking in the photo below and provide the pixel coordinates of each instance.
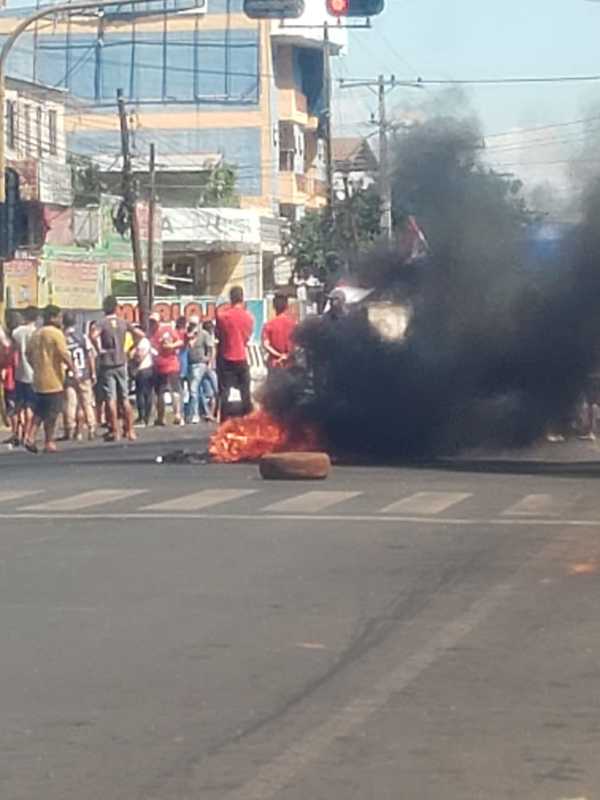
(15, 494)
(76, 502)
(199, 500)
(426, 503)
(310, 502)
(538, 505)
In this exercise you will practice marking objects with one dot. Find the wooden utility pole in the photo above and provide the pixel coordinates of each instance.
(129, 201)
(151, 211)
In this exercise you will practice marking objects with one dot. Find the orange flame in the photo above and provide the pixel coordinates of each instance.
(250, 437)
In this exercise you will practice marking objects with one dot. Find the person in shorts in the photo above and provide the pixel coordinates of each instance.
(110, 343)
(25, 395)
(79, 394)
(49, 357)
(167, 370)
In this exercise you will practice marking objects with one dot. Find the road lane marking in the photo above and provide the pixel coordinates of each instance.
(199, 500)
(277, 774)
(96, 497)
(539, 505)
(426, 502)
(441, 522)
(7, 495)
(310, 502)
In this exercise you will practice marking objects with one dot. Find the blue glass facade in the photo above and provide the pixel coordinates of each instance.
(170, 64)
(174, 66)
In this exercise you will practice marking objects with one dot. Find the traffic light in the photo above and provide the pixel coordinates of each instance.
(273, 9)
(354, 8)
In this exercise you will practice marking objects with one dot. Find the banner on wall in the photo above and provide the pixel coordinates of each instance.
(170, 309)
(20, 282)
(75, 284)
(212, 229)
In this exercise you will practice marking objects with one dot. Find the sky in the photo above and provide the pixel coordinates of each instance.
(474, 39)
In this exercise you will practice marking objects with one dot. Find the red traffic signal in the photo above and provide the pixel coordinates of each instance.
(354, 8)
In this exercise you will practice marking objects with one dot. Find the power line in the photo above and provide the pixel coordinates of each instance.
(579, 137)
(509, 81)
(550, 126)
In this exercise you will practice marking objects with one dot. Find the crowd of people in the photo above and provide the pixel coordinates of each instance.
(99, 377)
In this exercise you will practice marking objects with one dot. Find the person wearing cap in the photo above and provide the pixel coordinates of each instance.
(337, 305)
(167, 343)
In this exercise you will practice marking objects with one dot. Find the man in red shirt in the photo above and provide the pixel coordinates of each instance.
(277, 334)
(234, 329)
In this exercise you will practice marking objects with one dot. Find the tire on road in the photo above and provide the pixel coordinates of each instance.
(294, 466)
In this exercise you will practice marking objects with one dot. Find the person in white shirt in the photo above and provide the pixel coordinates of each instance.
(24, 393)
(142, 360)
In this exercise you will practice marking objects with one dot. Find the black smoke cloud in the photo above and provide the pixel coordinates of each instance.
(497, 351)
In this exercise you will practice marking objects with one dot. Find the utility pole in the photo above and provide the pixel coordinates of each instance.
(385, 187)
(327, 130)
(129, 201)
(151, 210)
(381, 86)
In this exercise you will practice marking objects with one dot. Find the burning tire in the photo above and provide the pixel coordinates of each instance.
(294, 466)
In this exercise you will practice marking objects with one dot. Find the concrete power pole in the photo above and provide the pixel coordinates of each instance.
(327, 130)
(385, 187)
(151, 232)
(381, 86)
(129, 201)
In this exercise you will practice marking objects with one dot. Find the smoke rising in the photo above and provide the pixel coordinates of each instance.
(498, 349)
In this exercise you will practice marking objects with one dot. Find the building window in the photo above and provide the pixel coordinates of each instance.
(287, 146)
(27, 112)
(52, 133)
(38, 130)
(11, 123)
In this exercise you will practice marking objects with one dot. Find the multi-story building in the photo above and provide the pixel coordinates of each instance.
(355, 165)
(38, 186)
(207, 80)
(51, 251)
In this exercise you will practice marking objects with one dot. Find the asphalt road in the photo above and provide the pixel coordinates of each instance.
(188, 631)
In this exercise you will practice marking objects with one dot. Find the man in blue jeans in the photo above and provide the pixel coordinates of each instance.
(200, 354)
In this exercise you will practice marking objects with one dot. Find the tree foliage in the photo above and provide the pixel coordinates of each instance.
(322, 243)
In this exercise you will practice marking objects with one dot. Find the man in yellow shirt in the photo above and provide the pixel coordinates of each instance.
(48, 355)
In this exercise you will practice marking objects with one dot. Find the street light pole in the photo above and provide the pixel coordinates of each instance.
(45, 11)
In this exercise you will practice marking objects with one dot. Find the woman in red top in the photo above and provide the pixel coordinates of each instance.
(166, 368)
(7, 379)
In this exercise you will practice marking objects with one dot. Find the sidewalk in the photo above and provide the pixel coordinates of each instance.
(151, 442)
(573, 457)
